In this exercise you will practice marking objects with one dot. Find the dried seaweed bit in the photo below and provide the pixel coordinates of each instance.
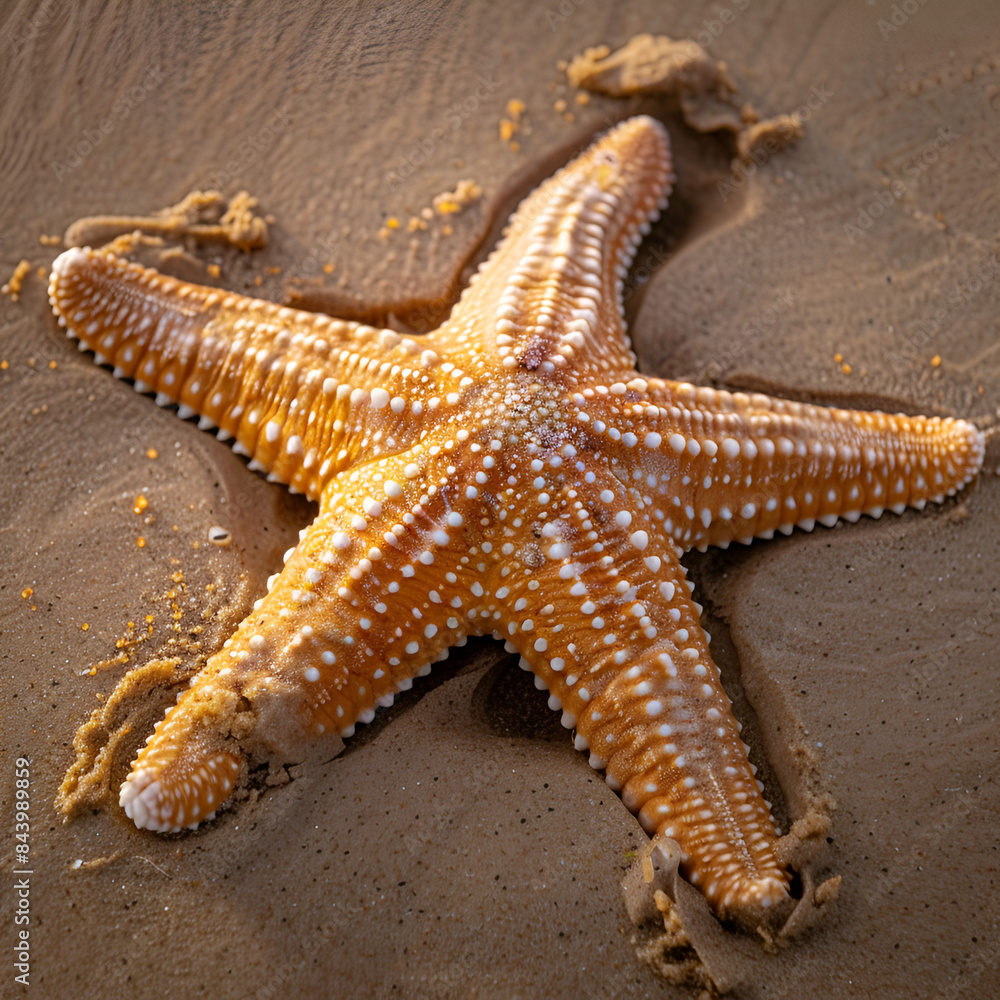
(196, 207)
(705, 93)
(243, 228)
(203, 215)
(649, 64)
(452, 202)
(770, 134)
(706, 113)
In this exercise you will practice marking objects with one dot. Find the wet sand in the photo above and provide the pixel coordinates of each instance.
(459, 846)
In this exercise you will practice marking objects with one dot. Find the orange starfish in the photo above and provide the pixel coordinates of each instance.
(510, 473)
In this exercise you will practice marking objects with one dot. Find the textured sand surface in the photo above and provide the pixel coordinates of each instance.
(459, 846)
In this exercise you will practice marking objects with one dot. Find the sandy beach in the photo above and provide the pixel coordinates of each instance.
(459, 846)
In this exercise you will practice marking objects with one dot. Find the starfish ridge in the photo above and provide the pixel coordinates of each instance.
(510, 473)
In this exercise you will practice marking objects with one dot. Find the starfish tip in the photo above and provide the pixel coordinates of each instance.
(169, 799)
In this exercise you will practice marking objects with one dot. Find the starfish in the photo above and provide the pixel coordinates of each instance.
(510, 473)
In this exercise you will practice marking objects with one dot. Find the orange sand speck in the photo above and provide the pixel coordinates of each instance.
(13, 286)
(512, 123)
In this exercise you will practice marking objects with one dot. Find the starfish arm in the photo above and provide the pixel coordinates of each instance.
(289, 386)
(550, 294)
(374, 593)
(619, 646)
(731, 466)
